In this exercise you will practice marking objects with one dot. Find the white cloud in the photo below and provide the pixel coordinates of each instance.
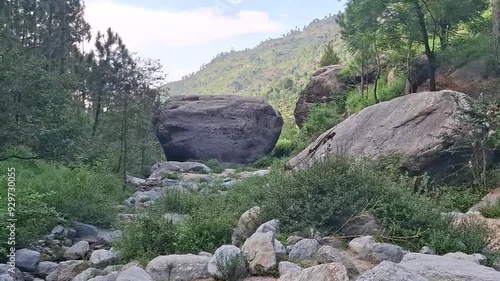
(142, 27)
(235, 2)
(177, 36)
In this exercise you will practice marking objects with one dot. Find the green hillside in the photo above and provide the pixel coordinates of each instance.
(277, 69)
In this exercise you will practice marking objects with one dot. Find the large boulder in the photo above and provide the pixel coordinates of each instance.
(325, 272)
(231, 129)
(178, 268)
(437, 268)
(410, 127)
(324, 86)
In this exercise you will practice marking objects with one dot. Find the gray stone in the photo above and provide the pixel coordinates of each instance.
(230, 129)
(324, 272)
(438, 268)
(227, 261)
(305, 250)
(279, 249)
(205, 254)
(286, 267)
(411, 126)
(135, 273)
(27, 260)
(248, 223)
(260, 253)
(476, 258)
(270, 226)
(426, 250)
(10, 274)
(359, 244)
(292, 240)
(389, 271)
(60, 267)
(134, 181)
(178, 267)
(87, 274)
(327, 254)
(362, 224)
(45, 268)
(159, 169)
(71, 271)
(384, 252)
(112, 276)
(77, 251)
(86, 231)
(102, 258)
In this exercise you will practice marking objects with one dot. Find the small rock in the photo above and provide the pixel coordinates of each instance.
(426, 250)
(45, 268)
(27, 260)
(328, 254)
(306, 250)
(279, 249)
(286, 267)
(292, 240)
(270, 226)
(357, 245)
(248, 223)
(205, 254)
(102, 258)
(332, 241)
(135, 273)
(70, 272)
(227, 262)
(475, 258)
(77, 251)
(87, 274)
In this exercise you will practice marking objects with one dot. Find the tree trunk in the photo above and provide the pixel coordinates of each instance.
(496, 18)
(431, 57)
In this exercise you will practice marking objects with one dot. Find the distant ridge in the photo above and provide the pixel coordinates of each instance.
(277, 69)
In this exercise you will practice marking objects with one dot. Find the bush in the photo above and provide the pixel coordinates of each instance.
(322, 197)
(321, 118)
(385, 92)
(491, 211)
(215, 166)
(48, 192)
(329, 57)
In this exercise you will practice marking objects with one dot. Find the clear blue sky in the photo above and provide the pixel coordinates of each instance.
(184, 34)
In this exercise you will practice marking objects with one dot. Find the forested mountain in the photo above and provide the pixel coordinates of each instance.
(277, 69)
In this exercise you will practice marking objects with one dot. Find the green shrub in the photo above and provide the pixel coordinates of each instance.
(215, 166)
(491, 211)
(284, 148)
(147, 237)
(48, 192)
(385, 92)
(321, 118)
(468, 237)
(232, 268)
(466, 49)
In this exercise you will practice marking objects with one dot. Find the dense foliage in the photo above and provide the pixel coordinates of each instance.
(69, 105)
